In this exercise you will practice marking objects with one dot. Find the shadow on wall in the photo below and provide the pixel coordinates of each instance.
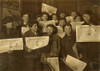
(98, 12)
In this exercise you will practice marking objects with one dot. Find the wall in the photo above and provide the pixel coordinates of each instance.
(0, 14)
(34, 6)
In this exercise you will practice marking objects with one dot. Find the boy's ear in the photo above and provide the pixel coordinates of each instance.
(22, 18)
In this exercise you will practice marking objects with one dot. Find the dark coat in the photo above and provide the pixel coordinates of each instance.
(35, 53)
(67, 43)
(53, 47)
(90, 53)
(32, 59)
(51, 50)
(14, 33)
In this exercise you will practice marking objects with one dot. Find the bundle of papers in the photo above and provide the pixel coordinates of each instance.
(86, 33)
(49, 9)
(36, 42)
(54, 63)
(11, 44)
(75, 64)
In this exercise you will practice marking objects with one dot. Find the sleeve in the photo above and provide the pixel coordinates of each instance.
(24, 43)
(55, 46)
(62, 51)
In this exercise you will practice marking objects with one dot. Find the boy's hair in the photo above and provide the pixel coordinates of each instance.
(89, 12)
(79, 16)
(62, 19)
(54, 27)
(68, 25)
(44, 13)
(7, 19)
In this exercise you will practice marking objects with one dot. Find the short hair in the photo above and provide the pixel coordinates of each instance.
(54, 14)
(89, 12)
(7, 19)
(44, 13)
(62, 19)
(54, 27)
(37, 16)
(79, 16)
(24, 14)
(68, 25)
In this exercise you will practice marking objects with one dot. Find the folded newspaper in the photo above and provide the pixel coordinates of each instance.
(75, 64)
(53, 63)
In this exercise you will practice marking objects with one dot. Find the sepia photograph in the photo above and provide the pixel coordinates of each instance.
(49, 35)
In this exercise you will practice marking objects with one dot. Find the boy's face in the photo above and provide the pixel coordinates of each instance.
(44, 17)
(54, 17)
(62, 15)
(49, 30)
(86, 17)
(9, 25)
(34, 28)
(67, 29)
(73, 14)
(25, 18)
(61, 23)
(38, 19)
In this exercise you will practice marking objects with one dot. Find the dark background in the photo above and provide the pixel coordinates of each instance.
(33, 7)
(67, 6)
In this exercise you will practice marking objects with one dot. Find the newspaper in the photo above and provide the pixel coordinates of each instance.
(54, 62)
(75, 64)
(49, 9)
(86, 33)
(74, 24)
(36, 42)
(69, 19)
(11, 44)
